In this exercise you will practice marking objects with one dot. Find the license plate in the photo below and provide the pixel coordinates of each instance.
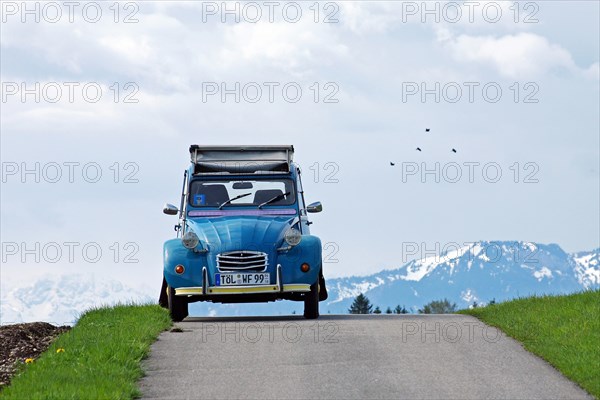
(242, 279)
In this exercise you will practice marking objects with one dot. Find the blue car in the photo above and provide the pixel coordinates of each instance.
(243, 232)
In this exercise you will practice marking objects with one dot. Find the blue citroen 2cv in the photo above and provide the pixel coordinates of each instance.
(243, 232)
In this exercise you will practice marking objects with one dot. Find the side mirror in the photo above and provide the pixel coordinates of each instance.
(170, 209)
(314, 207)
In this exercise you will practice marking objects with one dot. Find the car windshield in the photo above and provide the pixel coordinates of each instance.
(235, 192)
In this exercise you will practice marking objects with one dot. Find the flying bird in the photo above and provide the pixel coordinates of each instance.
(454, 150)
(418, 148)
(392, 164)
(426, 129)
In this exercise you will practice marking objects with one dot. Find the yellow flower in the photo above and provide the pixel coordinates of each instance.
(28, 360)
(60, 350)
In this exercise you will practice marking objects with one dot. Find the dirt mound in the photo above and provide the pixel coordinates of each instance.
(22, 341)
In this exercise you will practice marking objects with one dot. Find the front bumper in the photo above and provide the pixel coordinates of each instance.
(213, 290)
(278, 287)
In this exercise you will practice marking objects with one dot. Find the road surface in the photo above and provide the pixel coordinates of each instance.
(347, 357)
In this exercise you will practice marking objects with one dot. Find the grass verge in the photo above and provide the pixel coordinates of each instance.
(101, 357)
(563, 330)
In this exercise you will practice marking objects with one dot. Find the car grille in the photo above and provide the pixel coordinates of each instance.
(251, 261)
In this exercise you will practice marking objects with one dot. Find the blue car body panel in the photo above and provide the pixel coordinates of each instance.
(223, 234)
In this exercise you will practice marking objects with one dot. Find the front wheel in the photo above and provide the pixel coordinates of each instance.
(163, 298)
(311, 302)
(322, 288)
(178, 307)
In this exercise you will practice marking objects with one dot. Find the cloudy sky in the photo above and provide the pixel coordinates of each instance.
(106, 100)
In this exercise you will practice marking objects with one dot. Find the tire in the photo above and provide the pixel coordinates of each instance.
(311, 302)
(178, 307)
(163, 299)
(322, 288)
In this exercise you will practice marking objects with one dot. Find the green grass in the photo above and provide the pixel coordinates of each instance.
(563, 330)
(101, 357)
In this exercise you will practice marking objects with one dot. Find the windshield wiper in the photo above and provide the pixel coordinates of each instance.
(278, 197)
(235, 198)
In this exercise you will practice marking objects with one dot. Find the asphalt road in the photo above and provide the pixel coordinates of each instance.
(347, 357)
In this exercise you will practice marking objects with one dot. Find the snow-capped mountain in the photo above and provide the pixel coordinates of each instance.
(60, 299)
(587, 268)
(479, 272)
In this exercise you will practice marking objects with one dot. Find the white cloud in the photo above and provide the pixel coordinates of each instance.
(291, 48)
(524, 55)
(369, 17)
(593, 72)
(136, 49)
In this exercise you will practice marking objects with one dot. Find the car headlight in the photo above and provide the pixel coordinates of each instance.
(190, 240)
(292, 236)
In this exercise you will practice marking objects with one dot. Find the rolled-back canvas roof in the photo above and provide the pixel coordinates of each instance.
(241, 159)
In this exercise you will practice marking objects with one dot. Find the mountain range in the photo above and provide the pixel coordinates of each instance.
(479, 272)
(60, 299)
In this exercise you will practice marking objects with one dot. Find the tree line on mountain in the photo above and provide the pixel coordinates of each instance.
(362, 305)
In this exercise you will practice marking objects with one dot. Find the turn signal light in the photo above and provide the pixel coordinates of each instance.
(305, 267)
(179, 269)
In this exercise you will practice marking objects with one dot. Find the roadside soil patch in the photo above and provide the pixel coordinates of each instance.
(22, 341)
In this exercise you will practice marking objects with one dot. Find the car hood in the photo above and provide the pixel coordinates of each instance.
(241, 232)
